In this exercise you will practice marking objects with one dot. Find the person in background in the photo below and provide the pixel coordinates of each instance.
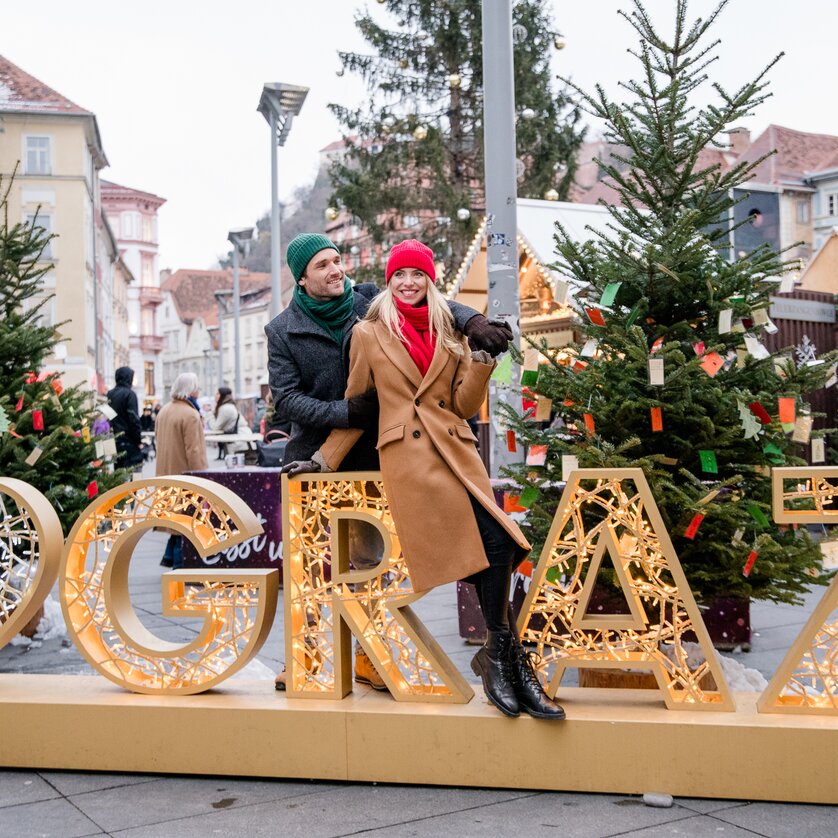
(429, 383)
(147, 420)
(308, 362)
(181, 446)
(258, 415)
(126, 423)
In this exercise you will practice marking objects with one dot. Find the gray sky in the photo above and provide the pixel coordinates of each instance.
(175, 85)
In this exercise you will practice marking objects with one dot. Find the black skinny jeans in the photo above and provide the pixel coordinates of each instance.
(492, 584)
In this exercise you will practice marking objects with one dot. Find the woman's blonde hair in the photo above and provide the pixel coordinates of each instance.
(440, 319)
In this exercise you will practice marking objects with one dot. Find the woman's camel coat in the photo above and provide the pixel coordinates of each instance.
(429, 462)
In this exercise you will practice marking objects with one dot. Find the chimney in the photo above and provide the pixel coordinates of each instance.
(164, 275)
(740, 139)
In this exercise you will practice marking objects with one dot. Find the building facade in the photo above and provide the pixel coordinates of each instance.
(189, 326)
(132, 215)
(54, 149)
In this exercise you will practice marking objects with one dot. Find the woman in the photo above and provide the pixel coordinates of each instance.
(225, 418)
(428, 383)
(179, 436)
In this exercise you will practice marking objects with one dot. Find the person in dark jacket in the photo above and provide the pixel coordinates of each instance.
(126, 423)
(308, 367)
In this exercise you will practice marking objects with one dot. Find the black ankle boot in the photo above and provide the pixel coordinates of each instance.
(493, 664)
(528, 690)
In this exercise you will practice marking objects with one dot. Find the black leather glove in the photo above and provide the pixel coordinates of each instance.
(300, 467)
(491, 336)
(363, 410)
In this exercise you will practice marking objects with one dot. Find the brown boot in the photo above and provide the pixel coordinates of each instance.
(366, 673)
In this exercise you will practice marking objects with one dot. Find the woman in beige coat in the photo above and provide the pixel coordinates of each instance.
(179, 439)
(428, 384)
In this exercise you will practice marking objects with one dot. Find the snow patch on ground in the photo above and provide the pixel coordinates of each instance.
(52, 626)
(739, 677)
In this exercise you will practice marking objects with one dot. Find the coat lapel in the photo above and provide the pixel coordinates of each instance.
(394, 349)
(438, 362)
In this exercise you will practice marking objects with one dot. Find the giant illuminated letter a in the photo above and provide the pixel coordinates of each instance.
(612, 511)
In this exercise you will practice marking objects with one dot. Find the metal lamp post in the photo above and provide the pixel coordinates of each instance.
(240, 239)
(279, 104)
(501, 196)
(222, 310)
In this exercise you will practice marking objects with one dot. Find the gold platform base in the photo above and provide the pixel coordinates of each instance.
(615, 741)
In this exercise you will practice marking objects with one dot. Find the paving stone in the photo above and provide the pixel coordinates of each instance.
(784, 820)
(697, 826)
(344, 810)
(171, 798)
(48, 819)
(81, 782)
(18, 787)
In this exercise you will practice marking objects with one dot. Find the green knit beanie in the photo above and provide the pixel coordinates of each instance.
(302, 248)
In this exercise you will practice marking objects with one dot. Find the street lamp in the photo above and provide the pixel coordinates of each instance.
(240, 238)
(279, 104)
(220, 295)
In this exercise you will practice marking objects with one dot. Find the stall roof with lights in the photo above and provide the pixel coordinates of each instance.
(543, 306)
(821, 273)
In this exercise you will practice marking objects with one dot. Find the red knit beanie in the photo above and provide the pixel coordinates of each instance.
(411, 254)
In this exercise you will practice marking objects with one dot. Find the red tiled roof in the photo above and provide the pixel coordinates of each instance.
(829, 162)
(20, 92)
(797, 152)
(114, 190)
(193, 292)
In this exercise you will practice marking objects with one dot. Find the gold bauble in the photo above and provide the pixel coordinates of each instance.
(403, 63)
(454, 80)
(551, 195)
(559, 42)
(420, 132)
(331, 213)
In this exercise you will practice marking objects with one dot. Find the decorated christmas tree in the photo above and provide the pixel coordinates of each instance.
(414, 153)
(50, 435)
(671, 373)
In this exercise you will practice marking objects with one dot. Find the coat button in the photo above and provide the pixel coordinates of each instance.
(417, 402)
(417, 434)
(451, 431)
(442, 403)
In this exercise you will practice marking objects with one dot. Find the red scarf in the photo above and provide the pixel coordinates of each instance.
(417, 335)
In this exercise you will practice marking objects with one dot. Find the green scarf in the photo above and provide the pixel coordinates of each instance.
(330, 314)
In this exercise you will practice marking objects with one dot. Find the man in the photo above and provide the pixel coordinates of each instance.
(308, 364)
(126, 423)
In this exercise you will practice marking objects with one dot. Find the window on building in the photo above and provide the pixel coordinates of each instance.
(832, 203)
(44, 221)
(803, 211)
(148, 272)
(148, 369)
(148, 234)
(38, 156)
(130, 225)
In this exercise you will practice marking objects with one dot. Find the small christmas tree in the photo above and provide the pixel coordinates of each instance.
(671, 375)
(414, 153)
(47, 431)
